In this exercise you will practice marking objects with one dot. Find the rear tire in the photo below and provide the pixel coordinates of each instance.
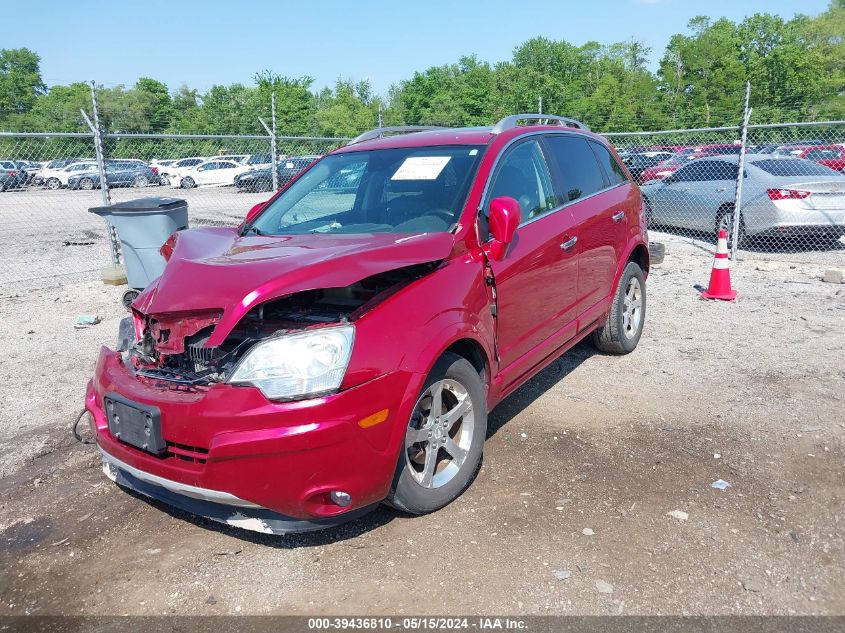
(87, 184)
(725, 218)
(188, 183)
(53, 183)
(441, 452)
(624, 326)
(140, 181)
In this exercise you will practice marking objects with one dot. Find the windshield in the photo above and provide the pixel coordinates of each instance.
(404, 190)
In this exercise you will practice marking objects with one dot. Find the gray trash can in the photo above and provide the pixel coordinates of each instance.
(143, 226)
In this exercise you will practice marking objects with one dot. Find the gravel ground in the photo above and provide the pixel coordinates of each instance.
(595, 496)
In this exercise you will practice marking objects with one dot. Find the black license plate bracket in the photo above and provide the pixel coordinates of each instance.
(136, 424)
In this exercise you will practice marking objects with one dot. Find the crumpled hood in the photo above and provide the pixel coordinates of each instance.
(215, 268)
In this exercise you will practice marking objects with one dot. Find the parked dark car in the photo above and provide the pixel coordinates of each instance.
(638, 163)
(262, 179)
(118, 174)
(11, 175)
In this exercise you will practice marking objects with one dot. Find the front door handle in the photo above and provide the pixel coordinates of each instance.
(617, 217)
(568, 244)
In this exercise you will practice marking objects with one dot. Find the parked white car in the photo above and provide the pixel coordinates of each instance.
(51, 174)
(210, 173)
(58, 178)
(172, 173)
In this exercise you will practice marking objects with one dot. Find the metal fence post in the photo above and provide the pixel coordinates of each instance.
(101, 168)
(274, 159)
(740, 174)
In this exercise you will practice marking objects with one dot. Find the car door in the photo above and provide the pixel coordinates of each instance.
(715, 187)
(206, 173)
(597, 218)
(536, 283)
(672, 200)
(225, 174)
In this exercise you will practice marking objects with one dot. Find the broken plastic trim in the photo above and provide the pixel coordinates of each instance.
(174, 348)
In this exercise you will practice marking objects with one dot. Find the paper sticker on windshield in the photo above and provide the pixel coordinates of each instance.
(421, 168)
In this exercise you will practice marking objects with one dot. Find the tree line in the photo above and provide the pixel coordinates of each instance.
(796, 68)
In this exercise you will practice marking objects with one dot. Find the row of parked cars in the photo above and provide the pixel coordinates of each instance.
(789, 191)
(657, 162)
(248, 172)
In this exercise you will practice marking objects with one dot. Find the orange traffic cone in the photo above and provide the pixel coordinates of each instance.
(720, 276)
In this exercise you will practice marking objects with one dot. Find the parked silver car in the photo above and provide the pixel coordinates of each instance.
(781, 197)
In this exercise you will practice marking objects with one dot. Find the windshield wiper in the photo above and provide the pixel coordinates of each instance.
(251, 229)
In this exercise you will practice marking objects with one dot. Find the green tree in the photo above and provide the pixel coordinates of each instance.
(20, 83)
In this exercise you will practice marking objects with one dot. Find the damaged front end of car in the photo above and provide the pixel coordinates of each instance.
(172, 350)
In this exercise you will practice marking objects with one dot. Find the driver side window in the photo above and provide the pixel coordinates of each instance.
(524, 176)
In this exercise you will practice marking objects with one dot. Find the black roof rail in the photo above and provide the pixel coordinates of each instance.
(513, 120)
(399, 129)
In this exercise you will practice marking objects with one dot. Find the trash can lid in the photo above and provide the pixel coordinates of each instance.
(141, 205)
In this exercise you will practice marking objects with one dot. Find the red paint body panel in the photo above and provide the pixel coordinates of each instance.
(286, 456)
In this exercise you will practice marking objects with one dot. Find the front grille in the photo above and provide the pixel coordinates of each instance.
(183, 452)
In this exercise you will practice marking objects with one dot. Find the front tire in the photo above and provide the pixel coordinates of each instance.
(87, 184)
(444, 439)
(188, 183)
(53, 183)
(140, 181)
(624, 326)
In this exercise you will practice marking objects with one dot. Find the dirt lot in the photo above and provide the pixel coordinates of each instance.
(568, 514)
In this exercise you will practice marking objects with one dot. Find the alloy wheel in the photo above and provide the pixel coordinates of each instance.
(632, 308)
(439, 436)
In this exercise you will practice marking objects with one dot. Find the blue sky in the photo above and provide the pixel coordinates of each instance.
(201, 43)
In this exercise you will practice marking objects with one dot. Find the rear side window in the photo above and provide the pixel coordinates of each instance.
(793, 167)
(612, 170)
(703, 170)
(577, 167)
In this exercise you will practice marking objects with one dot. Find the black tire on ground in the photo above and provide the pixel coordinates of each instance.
(86, 183)
(406, 493)
(188, 183)
(140, 181)
(613, 337)
(125, 334)
(53, 183)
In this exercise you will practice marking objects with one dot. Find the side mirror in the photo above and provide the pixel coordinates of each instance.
(505, 216)
(254, 211)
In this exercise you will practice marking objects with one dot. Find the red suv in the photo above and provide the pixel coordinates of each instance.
(343, 346)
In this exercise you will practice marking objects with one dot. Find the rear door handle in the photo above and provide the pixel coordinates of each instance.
(568, 244)
(617, 217)
(722, 189)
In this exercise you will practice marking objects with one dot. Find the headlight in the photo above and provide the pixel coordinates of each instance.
(297, 365)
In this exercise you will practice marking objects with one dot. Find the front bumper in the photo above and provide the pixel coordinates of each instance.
(214, 504)
(250, 454)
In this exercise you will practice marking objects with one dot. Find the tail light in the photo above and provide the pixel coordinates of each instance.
(13, 174)
(154, 170)
(166, 249)
(787, 194)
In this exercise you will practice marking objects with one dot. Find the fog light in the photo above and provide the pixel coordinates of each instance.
(340, 498)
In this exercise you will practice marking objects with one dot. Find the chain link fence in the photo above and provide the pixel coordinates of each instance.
(792, 200)
(49, 181)
(792, 197)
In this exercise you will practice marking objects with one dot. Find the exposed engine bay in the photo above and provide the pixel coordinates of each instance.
(172, 348)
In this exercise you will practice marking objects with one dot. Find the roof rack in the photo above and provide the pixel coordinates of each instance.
(548, 119)
(399, 129)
